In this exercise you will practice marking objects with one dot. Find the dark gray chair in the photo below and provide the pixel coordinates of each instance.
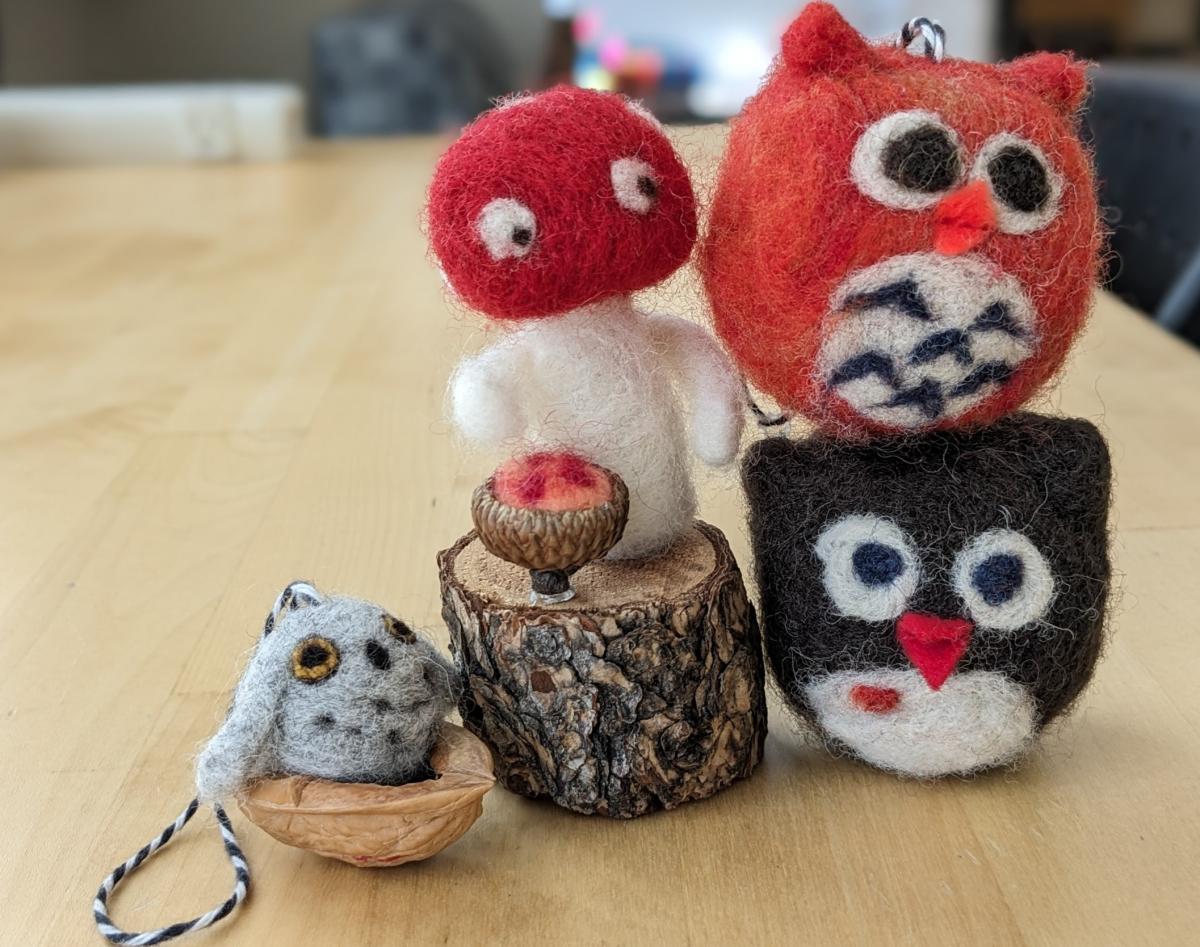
(423, 66)
(1144, 122)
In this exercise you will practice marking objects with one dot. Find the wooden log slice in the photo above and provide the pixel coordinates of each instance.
(645, 691)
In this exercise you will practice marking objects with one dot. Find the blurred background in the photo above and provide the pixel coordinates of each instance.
(248, 79)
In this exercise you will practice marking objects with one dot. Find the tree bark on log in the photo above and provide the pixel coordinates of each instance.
(643, 692)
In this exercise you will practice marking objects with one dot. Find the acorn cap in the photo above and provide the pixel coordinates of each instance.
(549, 539)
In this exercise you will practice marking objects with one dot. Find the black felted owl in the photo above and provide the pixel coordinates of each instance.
(929, 604)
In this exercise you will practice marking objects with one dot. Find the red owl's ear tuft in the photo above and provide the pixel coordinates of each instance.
(1058, 78)
(820, 41)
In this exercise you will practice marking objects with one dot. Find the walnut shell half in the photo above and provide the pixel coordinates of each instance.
(375, 826)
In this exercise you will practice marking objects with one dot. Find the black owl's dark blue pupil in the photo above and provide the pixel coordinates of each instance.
(877, 564)
(998, 578)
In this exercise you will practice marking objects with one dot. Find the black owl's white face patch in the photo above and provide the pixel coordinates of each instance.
(978, 719)
(921, 338)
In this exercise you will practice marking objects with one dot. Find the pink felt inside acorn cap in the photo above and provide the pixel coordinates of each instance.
(555, 482)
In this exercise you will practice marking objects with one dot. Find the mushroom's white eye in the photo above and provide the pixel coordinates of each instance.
(635, 184)
(907, 160)
(1003, 579)
(1025, 187)
(871, 567)
(507, 228)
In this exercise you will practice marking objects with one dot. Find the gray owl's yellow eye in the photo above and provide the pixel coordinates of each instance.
(314, 659)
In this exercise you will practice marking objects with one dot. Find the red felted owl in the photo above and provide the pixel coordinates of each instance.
(898, 244)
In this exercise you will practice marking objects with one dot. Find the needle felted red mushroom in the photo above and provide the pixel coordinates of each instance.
(546, 216)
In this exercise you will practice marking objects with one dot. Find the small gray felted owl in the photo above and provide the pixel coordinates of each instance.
(338, 689)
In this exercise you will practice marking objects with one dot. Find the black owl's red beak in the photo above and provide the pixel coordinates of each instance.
(933, 644)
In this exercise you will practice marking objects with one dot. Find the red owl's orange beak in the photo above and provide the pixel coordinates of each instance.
(964, 219)
(934, 645)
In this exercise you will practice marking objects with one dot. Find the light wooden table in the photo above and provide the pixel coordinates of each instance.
(214, 380)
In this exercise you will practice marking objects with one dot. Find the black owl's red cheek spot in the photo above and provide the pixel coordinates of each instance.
(933, 644)
(874, 700)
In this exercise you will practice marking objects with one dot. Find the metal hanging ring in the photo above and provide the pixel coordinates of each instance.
(930, 31)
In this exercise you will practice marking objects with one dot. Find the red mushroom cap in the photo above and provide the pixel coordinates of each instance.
(552, 201)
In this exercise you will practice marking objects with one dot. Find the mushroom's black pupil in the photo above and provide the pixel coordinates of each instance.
(646, 186)
(998, 578)
(922, 159)
(313, 656)
(378, 655)
(1019, 179)
(521, 236)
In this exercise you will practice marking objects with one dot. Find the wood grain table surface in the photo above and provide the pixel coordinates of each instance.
(217, 379)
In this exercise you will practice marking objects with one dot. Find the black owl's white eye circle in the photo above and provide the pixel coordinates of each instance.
(507, 228)
(907, 160)
(1004, 580)
(634, 184)
(871, 567)
(1025, 187)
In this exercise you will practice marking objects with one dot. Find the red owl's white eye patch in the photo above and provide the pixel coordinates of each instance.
(1025, 187)
(920, 339)
(907, 160)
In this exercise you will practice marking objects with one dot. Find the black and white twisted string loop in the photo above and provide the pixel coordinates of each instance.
(929, 30)
(241, 872)
(779, 419)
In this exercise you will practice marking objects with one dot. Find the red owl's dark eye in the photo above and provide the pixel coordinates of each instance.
(507, 228)
(1019, 179)
(907, 160)
(923, 159)
(634, 184)
(1025, 187)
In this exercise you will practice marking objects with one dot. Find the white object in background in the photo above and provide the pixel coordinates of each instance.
(149, 124)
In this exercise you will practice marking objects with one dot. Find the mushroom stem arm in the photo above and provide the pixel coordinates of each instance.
(485, 401)
(710, 383)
